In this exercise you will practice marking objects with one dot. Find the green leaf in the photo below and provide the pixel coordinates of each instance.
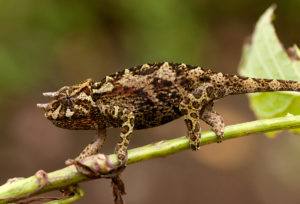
(265, 57)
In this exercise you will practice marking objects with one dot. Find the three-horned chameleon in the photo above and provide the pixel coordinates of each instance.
(147, 96)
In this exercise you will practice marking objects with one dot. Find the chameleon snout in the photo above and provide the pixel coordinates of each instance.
(44, 106)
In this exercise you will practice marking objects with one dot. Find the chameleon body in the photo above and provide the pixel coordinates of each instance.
(148, 96)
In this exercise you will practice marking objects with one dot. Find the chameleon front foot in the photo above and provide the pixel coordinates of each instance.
(83, 168)
(93, 147)
(70, 162)
(89, 150)
(97, 166)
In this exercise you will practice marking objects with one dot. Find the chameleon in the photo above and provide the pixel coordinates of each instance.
(147, 96)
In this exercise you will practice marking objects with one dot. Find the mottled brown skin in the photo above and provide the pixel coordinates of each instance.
(148, 96)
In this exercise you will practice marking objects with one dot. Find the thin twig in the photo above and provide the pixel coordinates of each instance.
(62, 178)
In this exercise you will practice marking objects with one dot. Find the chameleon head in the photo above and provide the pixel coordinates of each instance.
(70, 106)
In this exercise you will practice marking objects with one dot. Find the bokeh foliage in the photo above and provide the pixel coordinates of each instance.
(139, 31)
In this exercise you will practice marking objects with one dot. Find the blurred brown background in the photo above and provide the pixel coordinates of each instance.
(45, 45)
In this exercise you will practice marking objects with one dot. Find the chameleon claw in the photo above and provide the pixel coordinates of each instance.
(50, 94)
(83, 169)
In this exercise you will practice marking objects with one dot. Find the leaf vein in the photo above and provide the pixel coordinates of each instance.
(271, 54)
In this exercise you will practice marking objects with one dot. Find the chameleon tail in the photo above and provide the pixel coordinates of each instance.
(240, 85)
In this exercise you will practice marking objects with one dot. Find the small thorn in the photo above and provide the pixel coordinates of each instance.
(42, 105)
(50, 94)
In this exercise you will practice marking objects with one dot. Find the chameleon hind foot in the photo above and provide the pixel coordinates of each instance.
(191, 108)
(199, 105)
(213, 119)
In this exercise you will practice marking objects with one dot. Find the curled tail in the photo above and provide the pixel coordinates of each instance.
(239, 85)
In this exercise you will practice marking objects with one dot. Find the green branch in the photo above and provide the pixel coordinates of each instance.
(16, 189)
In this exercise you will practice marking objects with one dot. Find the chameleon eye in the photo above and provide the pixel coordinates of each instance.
(68, 97)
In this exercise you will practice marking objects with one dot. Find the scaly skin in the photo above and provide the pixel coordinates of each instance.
(148, 96)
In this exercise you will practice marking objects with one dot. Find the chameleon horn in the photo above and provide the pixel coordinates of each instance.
(42, 105)
(50, 94)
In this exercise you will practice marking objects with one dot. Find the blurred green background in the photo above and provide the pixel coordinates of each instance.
(45, 45)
